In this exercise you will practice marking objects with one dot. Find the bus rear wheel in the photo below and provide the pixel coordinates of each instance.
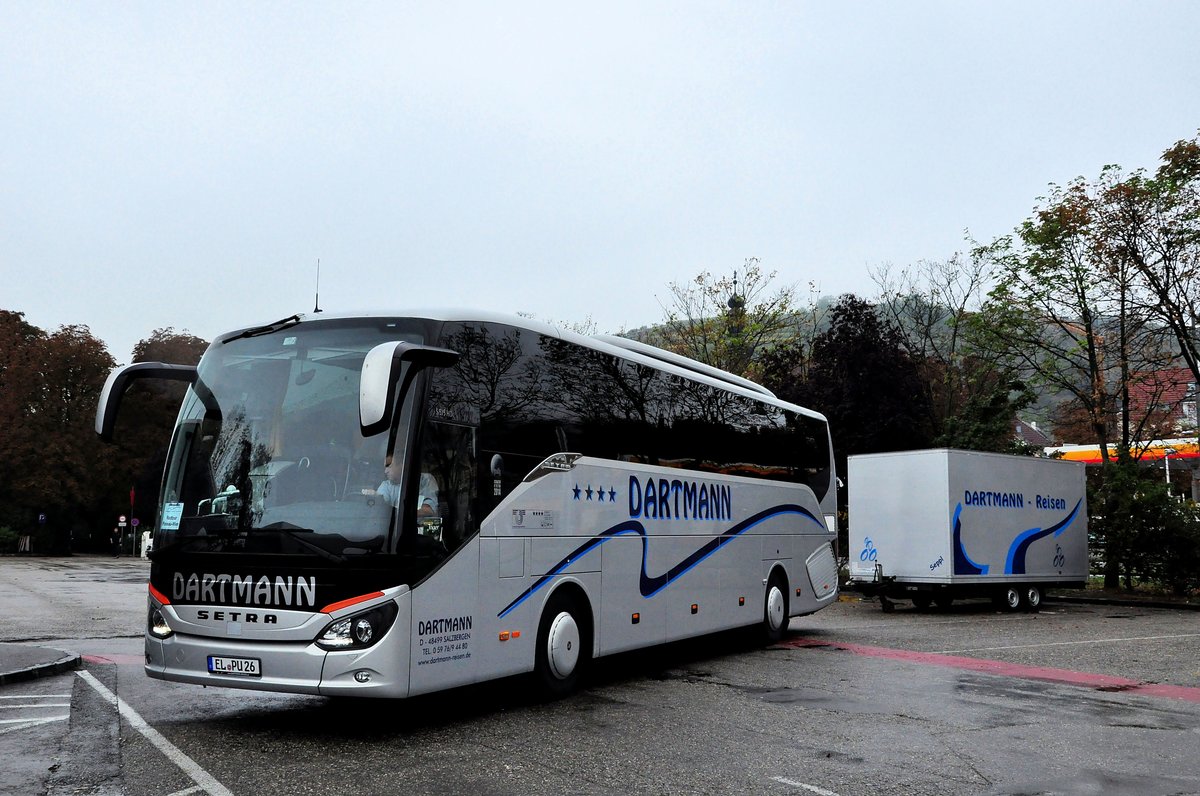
(564, 647)
(775, 610)
(1031, 598)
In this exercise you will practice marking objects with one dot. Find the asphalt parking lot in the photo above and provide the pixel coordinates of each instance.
(1079, 698)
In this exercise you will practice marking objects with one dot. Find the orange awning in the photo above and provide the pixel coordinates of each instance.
(1156, 450)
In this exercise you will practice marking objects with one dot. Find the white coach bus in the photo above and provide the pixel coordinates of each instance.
(389, 506)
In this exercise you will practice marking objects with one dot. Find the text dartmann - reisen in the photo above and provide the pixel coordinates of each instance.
(245, 589)
(1012, 500)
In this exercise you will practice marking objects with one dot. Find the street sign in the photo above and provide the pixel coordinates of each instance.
(121, 519)
(41, 519)
(134, 522)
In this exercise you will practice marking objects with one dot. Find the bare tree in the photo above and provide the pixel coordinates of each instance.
(726, 321)
(930, 303)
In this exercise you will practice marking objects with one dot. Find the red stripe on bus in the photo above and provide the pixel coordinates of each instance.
(352, 601)
(1101, 682)
(156, 594)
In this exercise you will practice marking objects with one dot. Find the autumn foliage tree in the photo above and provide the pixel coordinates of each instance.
(1100, 287)
(52, 465)
(148, 416)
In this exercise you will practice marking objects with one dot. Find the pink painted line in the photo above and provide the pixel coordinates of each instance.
(121, 660)
(1100, 682)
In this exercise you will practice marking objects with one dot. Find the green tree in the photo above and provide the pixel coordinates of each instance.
(861, 377)
(1149, 537)
(1067, 307)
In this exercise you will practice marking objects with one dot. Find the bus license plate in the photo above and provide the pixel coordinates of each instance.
(247, 667)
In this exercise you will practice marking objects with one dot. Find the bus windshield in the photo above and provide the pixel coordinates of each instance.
(267, 454)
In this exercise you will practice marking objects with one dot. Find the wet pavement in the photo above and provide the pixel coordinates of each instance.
(1078, 699)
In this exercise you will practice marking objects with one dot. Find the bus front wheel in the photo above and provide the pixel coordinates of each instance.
(564, 647)
(775, 610)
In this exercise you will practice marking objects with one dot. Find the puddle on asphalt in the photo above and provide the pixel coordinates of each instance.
(812, 698)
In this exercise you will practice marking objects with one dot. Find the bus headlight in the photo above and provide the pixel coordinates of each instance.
(156, 623)
(358, 631)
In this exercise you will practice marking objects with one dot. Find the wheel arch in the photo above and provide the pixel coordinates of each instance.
(778, 568)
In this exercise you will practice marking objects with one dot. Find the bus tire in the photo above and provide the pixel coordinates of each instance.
(775, 609)
(564, 646)
(1010, 598)
(1031, 598)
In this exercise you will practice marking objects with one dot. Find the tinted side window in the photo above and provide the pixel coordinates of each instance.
(536, 395)
(810, 446)
(499, 383)
(448, 487)
(603, 406)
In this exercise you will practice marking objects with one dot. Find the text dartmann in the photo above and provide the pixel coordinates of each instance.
(244, 589)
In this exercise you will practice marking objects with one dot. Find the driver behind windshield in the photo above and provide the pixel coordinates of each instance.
(389, 490)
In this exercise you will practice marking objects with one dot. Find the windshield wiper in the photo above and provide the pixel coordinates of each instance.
(282, 323)
(294, 531)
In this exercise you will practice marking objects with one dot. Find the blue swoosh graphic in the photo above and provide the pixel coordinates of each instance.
(650, 586)
(963, 565)
(1015, 565)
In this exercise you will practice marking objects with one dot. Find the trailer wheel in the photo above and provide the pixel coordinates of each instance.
(775, 610)
(1031, 598)
(1010, 598)
(564, 646)
(921, 601)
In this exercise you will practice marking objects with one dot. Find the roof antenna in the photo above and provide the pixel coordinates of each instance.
(317, 299)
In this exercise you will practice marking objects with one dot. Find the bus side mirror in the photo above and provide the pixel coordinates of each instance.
(381, 373)
(120, 380)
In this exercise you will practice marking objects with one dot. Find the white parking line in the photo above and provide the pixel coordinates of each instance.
(25, 724)
(805, 786)
(38, 696)
(189, 766)
(37, 705)
(1070, 643)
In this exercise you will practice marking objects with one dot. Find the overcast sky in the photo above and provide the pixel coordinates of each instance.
(187, 164)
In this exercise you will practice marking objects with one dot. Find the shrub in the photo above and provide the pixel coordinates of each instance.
(1146, 534)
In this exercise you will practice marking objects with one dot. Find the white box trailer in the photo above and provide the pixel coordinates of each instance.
(934, 525)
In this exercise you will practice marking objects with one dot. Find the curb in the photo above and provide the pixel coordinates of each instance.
(68, 662)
